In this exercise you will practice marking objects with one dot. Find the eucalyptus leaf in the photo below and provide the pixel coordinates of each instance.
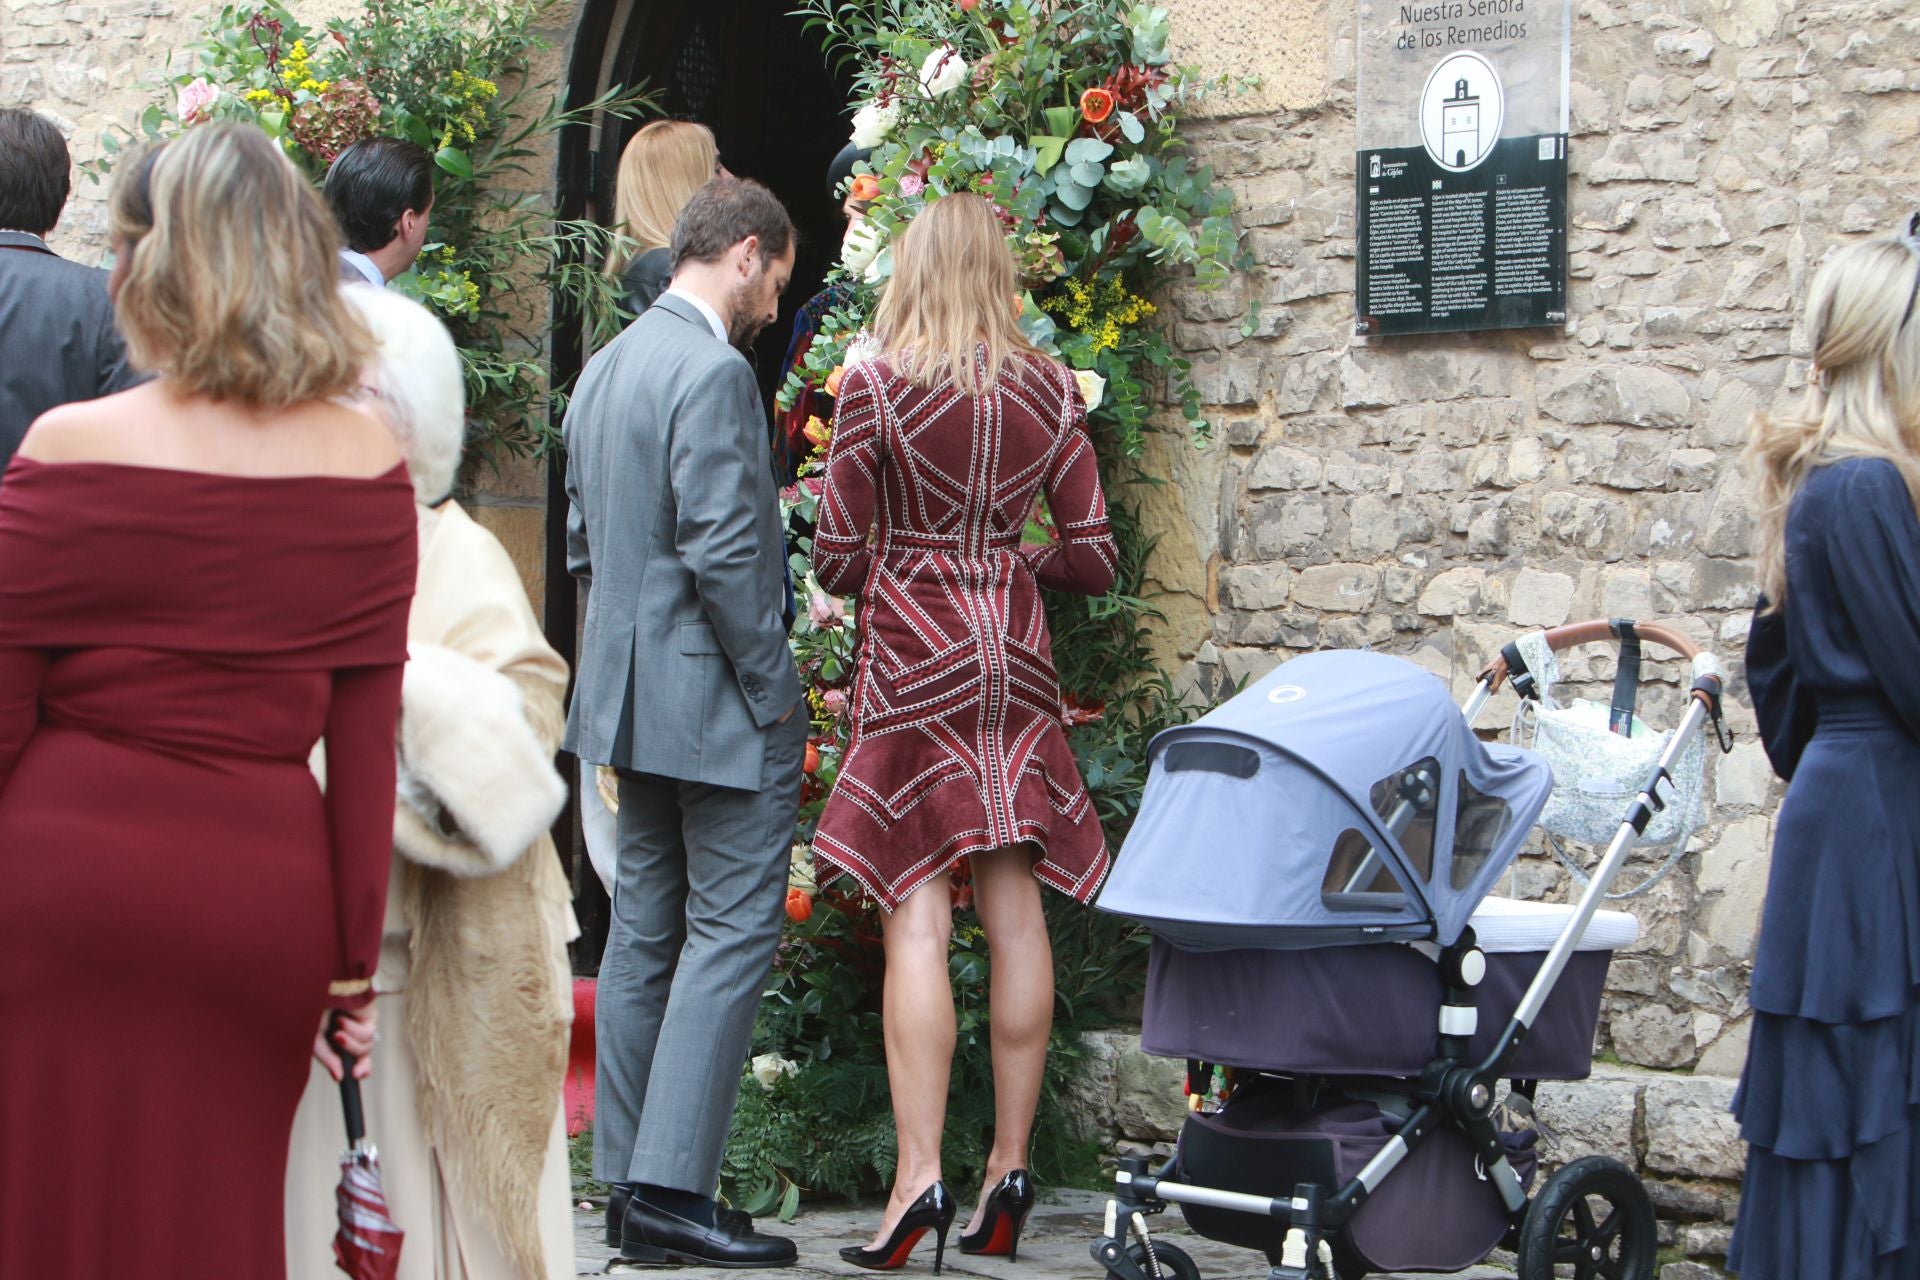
(1064, 216)
(1131, 129)
(1127, 177)
(1073, 196)
(1087, 175)
(1088, 150)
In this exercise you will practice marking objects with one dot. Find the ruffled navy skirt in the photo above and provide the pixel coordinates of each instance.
(1829, 1103)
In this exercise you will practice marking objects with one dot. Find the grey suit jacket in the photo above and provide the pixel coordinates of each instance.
(58, 343)
(674, 528)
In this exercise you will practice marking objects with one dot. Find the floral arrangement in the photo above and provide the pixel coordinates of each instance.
(449, 75)
(1065, 117)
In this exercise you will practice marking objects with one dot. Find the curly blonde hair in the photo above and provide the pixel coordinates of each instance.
(231, 284)
(1863, 400)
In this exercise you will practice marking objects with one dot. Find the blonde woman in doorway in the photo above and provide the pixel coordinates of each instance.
(941, 445)
(1827, 1102)
(661, 168)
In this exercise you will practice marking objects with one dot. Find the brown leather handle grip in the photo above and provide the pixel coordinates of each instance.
(1592, 632)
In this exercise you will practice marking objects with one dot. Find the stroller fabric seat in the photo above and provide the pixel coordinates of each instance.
(1505, 925)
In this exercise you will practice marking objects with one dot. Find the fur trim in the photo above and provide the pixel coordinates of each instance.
(415, 372)
(476, 785)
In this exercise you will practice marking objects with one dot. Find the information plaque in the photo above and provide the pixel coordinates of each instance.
(1461, 167)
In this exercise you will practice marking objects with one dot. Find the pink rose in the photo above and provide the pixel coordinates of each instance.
(834, 700)
(826, 611)
(196, 101)
(912, 184)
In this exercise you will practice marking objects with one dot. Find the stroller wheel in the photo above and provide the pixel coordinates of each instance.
(1174, 1262)
(1592, 1221)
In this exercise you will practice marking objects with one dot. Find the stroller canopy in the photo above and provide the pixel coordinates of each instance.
(1342, 799)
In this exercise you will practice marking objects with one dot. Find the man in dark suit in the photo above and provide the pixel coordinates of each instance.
(57, 339)
(687, 688)
(381, 194)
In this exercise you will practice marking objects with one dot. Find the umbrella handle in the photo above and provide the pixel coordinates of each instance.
(349, 1090)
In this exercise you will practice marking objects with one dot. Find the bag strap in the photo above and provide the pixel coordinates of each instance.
(1626, 679)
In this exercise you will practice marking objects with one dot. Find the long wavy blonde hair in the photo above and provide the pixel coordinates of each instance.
(231, 282)
(660, 169)
(1864, 399)
(951, 296)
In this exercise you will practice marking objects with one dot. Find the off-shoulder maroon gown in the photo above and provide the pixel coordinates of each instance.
(176, 895)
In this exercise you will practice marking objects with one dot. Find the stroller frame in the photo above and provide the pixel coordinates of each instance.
(1452, 1091)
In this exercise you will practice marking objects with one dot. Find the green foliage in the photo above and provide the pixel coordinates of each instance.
(453, 77)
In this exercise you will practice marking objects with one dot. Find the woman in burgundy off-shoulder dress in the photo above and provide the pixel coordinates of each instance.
(199, 579)
(957, 749)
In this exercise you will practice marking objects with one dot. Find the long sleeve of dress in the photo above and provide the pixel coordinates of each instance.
(1783, 706)
(1084, 557)
(361, 717)
(841, 556)
(1875, 560)
(21, 671)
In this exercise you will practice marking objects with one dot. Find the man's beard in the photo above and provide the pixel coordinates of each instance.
(745, 323)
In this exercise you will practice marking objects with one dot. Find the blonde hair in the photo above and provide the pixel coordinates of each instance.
(415, 373)
(232, 278)
(661, 168)
(1864, 398)
(951, 295)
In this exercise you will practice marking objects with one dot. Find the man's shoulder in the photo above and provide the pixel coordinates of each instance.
(36, 267)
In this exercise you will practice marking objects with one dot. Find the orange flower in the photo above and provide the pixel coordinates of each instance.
(968, 6)
(833, 379)
(1096, 105)
(799, 905)
(1019, 307)
(817, 432)
(865, 187)
(813, 760)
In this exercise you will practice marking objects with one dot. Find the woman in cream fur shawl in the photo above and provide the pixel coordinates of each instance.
(475, 1006)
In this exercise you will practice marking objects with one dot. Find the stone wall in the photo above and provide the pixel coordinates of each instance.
(1435, 496)
(1672, 1129)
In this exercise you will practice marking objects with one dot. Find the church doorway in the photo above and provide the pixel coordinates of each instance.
(749, 71)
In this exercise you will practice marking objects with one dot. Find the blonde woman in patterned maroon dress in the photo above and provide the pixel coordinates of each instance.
(942, 444)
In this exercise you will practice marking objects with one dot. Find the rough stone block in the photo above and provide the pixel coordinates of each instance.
(1593, 1117)
(1689, 1129)
(1690, 1201)
(1453, 591)
(1149, 1094)
(1255, 586)
(1652, 1035)
(1633, 395)
(1745, 775)
(1343, 588)
(1372, 526)
(1735, 868)
(1280, 467)
(1540, 599)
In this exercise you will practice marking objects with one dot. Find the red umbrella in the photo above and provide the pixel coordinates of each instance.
(367, 1246)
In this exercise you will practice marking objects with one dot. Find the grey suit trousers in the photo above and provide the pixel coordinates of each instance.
(698, 892)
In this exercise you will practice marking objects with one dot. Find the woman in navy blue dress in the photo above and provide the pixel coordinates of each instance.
(1831, 1093)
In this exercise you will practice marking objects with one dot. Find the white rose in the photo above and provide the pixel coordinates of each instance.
(1092, 387)
(872, 123)
(943, 71)
(861, 246)
(769, 1067)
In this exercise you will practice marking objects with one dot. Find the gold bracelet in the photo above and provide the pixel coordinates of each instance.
(349, 986)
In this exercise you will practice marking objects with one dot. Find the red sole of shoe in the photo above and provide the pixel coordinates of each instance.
(1001, 1242)
(899, 1258)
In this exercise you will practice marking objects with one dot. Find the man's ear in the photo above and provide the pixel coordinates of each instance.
(749, 255)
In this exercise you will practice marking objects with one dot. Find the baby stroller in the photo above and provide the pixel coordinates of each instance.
(1314, 859)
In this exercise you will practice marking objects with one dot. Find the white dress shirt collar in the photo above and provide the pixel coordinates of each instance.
(713, 317)
(364, 265)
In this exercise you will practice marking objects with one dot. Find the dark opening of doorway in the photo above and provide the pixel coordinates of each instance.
(747, 70)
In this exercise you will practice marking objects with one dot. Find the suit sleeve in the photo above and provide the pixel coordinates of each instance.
(1083, 558)
(717, 462)
(841, 556)
(361, 720)
(1875, 559)
(579, 555)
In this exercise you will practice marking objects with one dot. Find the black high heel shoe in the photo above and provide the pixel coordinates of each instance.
(1007, 1209)
(934, 1209)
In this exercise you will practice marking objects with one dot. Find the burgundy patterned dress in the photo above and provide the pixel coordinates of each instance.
(957, 745)
(177, 897)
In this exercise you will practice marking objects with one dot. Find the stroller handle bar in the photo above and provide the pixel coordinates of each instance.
(1574, 634)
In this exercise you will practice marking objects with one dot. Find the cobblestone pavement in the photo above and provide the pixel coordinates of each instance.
(1054, 1246)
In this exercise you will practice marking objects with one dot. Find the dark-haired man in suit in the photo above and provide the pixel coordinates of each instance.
(381, 194)
(58, 343)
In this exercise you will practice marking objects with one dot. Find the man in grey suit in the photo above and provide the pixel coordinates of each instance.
(58, 343)
(687, 688)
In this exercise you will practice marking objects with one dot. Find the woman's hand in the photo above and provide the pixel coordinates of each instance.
(356, 1032)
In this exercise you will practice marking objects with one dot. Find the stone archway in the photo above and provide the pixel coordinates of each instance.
(748, 70)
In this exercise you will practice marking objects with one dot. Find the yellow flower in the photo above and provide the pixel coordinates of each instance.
(259, 97)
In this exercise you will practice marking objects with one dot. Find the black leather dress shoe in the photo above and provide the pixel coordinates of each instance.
(619, 1194)
(650, 1234)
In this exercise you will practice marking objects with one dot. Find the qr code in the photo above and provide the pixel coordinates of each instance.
(1548, 148)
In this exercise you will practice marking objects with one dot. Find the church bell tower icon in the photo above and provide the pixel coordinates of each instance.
(1460, 126)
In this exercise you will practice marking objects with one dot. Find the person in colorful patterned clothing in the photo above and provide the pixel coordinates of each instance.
(942, 445)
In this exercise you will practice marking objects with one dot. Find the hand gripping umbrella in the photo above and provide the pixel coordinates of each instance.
(367, 1246)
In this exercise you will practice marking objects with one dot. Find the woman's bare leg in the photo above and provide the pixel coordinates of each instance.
(916, 1011)
(1020, 1016)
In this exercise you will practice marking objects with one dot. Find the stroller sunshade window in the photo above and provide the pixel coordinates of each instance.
(1359, 878)
(1479, 822)
(1211, 757)
(1407, 801)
